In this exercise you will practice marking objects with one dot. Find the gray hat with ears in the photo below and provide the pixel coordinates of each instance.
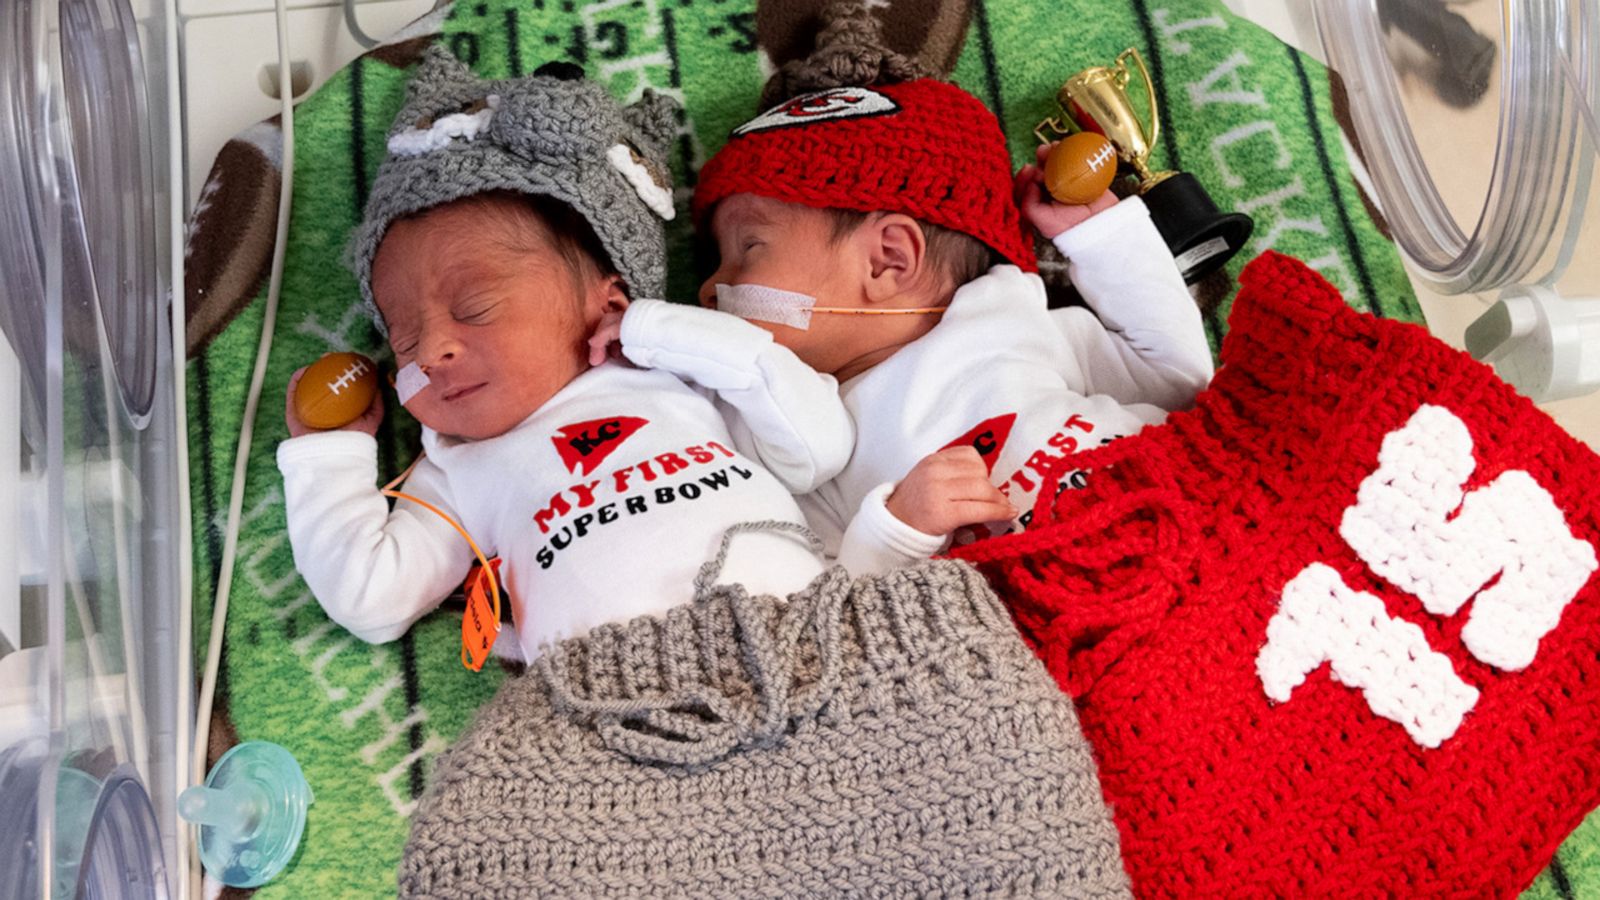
(550, 134)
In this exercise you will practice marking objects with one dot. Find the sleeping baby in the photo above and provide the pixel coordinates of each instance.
(507, 220)
(907, 275)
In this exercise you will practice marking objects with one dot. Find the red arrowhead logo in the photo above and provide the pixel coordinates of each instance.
(822, 106)
(584, 445)
(987, 437)
(816, 104)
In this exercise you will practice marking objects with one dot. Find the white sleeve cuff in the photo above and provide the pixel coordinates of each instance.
(876, 542)
(713, 349)
(324, 444)
(1112, 225)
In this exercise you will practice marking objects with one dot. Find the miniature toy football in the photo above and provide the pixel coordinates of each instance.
(335, 390)
(1080, 168)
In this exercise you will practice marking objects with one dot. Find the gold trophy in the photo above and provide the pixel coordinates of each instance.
(1201, 236)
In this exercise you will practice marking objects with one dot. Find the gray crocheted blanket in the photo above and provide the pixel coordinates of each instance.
(888, 737)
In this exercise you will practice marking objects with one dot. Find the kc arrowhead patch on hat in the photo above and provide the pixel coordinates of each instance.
(822, 106)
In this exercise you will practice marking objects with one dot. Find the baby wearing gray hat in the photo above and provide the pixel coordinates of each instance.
(682, 730)
(507, 219)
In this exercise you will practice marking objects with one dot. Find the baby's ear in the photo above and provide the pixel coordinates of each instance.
(610, 295)
(655, 117)
(616, 298)
(897, 252)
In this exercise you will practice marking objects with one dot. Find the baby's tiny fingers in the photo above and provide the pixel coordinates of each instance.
(962, 453)
(976, 512)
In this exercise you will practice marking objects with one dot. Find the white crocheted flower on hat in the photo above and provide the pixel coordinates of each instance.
(430, 134)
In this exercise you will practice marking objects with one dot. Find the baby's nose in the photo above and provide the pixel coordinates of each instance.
(708, 293)
(435, 350)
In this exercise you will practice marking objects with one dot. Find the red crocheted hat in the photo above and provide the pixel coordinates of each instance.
(924, 148)
(1336, 630)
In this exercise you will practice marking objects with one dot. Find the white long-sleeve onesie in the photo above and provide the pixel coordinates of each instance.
(602, 504)
(1025, 384)
(1001, 371)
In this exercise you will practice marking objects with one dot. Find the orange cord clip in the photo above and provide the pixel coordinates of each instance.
(475, 632)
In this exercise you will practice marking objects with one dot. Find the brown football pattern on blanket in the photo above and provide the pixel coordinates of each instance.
(929, 31)
(228, 250)
(230, 234)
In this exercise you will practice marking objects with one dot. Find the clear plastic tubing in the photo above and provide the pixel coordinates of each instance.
(1544, 153)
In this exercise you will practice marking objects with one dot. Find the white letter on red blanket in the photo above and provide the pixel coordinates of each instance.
(1407, 527)
(1320, 619)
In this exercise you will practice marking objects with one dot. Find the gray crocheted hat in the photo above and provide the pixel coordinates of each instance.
(551, 134)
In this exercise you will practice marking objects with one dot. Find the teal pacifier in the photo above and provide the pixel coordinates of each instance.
(251, 812)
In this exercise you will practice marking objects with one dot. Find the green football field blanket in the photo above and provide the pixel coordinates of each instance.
(1251, 118)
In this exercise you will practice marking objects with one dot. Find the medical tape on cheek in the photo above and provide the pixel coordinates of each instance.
(409, 381)
(766, 304)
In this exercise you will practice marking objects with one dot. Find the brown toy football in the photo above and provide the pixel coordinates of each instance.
(1080, 168)
(335, 390)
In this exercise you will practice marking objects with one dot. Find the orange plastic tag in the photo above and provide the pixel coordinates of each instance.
(479, 625)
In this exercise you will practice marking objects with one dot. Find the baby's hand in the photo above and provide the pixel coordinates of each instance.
(366, 423)
(947, 490)
(1041, 210)
(607, 334)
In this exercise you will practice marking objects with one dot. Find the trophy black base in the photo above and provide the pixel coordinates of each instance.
(1202, 238)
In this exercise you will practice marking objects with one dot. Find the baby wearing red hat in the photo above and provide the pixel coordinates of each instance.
(875, 231)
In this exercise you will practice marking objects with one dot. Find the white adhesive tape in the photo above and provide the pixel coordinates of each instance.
(408, 381)
(766, 304)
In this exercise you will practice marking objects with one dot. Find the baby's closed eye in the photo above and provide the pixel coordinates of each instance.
(403, 345)
(476, 312)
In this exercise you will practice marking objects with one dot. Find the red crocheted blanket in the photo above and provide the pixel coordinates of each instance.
(1336, 630)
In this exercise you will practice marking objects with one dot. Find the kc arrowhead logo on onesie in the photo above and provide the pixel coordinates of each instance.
(585, 445)
(987, 437)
